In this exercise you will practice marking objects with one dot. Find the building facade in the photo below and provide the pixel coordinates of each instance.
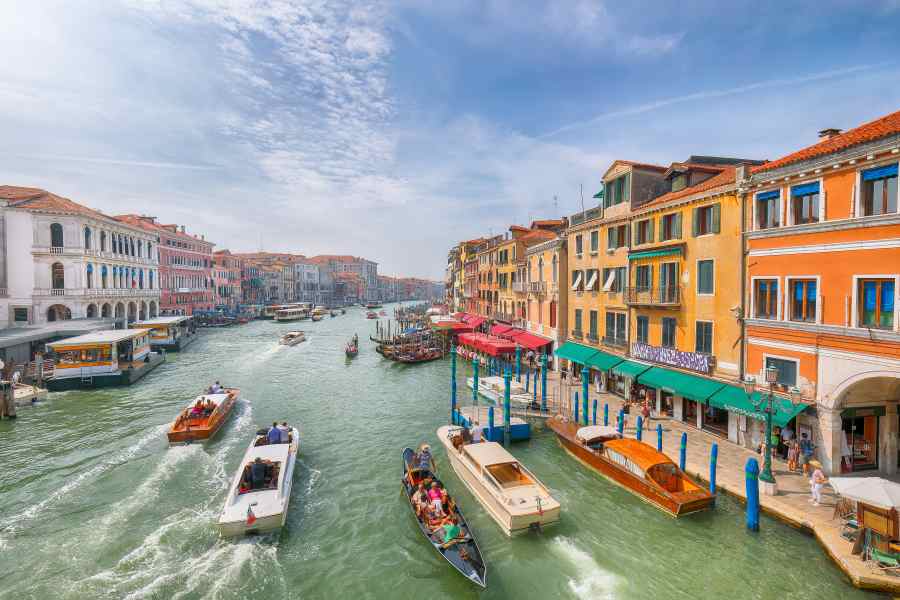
(545, 283)
(227, 279)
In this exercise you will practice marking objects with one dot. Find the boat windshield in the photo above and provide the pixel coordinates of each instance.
(509, 475)
(666, 475)
(259, 477)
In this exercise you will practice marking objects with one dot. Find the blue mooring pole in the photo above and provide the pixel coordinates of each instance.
(452, 384)
(594, 413)
(621, 422)
(518, 363)
(543, 383)
(751, 474)
(606, 414)
(713, 458)
(639, 434)
(475, 382)
(585, 372)
(682, 456)
(528, 380)
(659, 437)
(506, 407)
(576, 408)
(490, 423)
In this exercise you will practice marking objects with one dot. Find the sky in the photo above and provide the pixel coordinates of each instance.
(393, 129)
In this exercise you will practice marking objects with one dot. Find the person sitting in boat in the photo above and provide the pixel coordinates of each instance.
(209, 407)
(420, 501)
(216, 388)
(245, 486)
(448, 530)
(273, 436)
(434, 497)
(257, 474)
(285, 433)
(197, 409)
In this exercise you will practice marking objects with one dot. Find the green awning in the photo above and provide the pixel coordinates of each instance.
(599, 195)
(577, 353)
(654, 253)
(734, 399)
(603, 361)
(630, 369)
(689, 386)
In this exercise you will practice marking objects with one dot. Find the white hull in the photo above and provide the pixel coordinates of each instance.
(517, 396)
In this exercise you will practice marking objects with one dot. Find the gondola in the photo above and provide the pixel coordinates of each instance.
(351, 351)
(463, 553)
(418, 357)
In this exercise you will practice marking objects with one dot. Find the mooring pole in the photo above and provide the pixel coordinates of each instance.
(543, 382)
(518, 363)
(751, 475)
(452, 384)
(576, 408)
(594, 413)
(639, 434)
(682, 456)
(490, 423)
(606, 414)
(506, 407)
(585, 373)
(713, 458)
(659, 437)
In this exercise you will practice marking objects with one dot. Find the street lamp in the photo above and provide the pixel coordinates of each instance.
(766, 406)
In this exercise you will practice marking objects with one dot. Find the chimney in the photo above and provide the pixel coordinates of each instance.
(827, 134)
(182, 229)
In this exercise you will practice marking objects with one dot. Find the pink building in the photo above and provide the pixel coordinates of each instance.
(185, 267)
(227, 278)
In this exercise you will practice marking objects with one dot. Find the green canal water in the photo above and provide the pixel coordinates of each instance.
(94, 504)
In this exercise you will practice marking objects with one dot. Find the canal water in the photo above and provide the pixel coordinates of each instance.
(94, 504)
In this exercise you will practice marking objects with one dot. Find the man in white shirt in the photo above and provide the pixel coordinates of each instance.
(475, 430)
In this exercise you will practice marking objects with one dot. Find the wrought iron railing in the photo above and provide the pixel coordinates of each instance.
(653, 296)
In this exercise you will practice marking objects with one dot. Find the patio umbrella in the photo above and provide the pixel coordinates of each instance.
(868, 490)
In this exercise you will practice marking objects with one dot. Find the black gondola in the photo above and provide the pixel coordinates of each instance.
(463, 554)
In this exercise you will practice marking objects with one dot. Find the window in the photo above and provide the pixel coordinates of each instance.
(668, 332)
(578, 320)
(879, 191)
(593, 325)
(615, 328)
(706, 219)
(577, 281)
(56, 235)
(20, 315)
(787, 370)
(768, 209)
(705, 278)
(58, 276)
(614, 279)
(87, 238)
(590, 277)
(679, 182)
(617, 191)
(578, 245)
(643, 329)
(617, 237)
(703, 343)
(595, 241)
(643, 277)
(803, 300)
(90, 276)
(805, 203)
(555, 269)
(670, 227)
(765, 298)
(103, 241)
(553, 309)
(876, 303)
(643, 231)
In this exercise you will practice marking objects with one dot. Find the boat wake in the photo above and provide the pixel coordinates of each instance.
(590, 581)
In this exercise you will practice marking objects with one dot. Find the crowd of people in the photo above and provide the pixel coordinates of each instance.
(433, 505)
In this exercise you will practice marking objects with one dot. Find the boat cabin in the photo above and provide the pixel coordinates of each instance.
(498, 466)
(646, 462)
(168, 333)
(594, 436)
(101, 358)
(291, 314)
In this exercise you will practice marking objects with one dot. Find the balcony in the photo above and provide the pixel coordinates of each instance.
(616, 342)
(537, 287)
(520, 287)
(592, 338)
(669, 296)
(577, 334)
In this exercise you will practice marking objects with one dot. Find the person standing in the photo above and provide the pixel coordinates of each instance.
(806, 453)
(817, 482)
(793, 455)
(787, 436)
(645, 413)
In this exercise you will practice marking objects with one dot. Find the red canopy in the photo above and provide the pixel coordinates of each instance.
(529, 340)
(500, 329)
(475, 321)
(488, 344)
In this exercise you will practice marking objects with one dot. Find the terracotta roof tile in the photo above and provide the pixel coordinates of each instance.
(42, 200)
(725, 177)
(867, 132)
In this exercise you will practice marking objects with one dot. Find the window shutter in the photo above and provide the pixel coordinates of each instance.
(678, 225)
(650, 234)
(636, 237)
(610, 244)
(696, 224)
(650, 276)
(822, 206)
(627, 195)
(628, 236)
(716, 217)
(854, 200)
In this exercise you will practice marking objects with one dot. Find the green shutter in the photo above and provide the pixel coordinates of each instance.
(650, 276)
(627, 182)
(695, 230)
(678, 225)
(610, 245)
(635, 237)
(650, 234)
(716, 217)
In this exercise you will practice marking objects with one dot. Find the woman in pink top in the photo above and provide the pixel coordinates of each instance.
(434, 495)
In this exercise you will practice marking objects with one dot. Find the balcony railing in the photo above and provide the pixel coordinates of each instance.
(95, 292)
(537, 287)
(587, 215)
(592, 337)
(577, 334)
(56, 249)
(520, 286)
(653, 296)
(618, 342)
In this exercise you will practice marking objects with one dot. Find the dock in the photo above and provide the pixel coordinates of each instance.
(519, 429)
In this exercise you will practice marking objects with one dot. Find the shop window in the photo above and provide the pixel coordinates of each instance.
(805, 203)
(668, 332)
(705, 277)
(876, 303)
(879, 191)
(768, 209)
(643, 277)
(643, 329)
(787, 371)
(703, 343)
(670, 227)
(707, 219)
(765, 294)
(803, 300)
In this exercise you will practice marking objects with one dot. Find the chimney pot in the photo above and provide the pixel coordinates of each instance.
(827, 134)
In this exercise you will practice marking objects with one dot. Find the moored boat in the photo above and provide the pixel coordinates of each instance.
(292, 338)
(291, 314)
(203, 417)
(258, 498)
(418, 355)
(317, 317)
(636, 466)
(516, 500)
(462, 550)
(371, 315)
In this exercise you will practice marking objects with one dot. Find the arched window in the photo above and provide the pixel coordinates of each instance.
(141, 279)
(150, 250)
(541, 269)
(555, 269)
(140, 248)
(58, 276)
(131, 243)
(87, 238)
(151, 280)
(103, 241)
(56, 235)
(90, 276)
(103, 274)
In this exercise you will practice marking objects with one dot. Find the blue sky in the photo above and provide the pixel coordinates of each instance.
(393, 129)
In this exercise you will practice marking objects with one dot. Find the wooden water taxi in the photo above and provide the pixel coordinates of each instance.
(291, 314)
(317, 317)
(418, 355)
(258, 498)
(203, 417)
(24, 394)
(371, 315)
(462, 551)
(292, 338)
(171, 334)
(514, 497)
(636, 466)
(101, 358)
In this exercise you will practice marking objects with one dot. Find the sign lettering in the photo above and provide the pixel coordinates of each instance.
(670, 356)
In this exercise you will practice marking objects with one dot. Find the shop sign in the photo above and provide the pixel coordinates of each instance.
(670, 356)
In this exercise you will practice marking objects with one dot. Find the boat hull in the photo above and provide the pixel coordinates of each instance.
(121, 377)
(196, 434)
(266, 524)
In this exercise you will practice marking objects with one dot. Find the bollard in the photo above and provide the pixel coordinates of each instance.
(528, 380)
(594, 413)
(475, 381)
(544, 383)
(452, 384)
(518, 363)
(620, 422)
(659, 437)
(639, 434)
(506, 407)
(606, 414)
(751, 474)
(713, 458)
(576, 408)
(682, 457)
(490, 423)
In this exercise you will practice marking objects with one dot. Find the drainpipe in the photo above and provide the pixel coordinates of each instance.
(740, 174)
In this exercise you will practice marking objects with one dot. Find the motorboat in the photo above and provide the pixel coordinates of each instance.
(511, 494)
(203, 417)
(292, 338)
(371, 315)
(461, 552)
(259, 494)
(493, 388)
(634, 465)
(317, 317)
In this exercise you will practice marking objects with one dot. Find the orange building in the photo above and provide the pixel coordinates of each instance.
(822, 237)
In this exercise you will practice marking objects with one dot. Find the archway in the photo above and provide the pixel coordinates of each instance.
(132, 312)
(92, 311)
(59, 312)
(143, 311)
(120, 311)
(106, 311)
(153, 309)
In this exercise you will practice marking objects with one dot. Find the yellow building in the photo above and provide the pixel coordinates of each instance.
(547, 265)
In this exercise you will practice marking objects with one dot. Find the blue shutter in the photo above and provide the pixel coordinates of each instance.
(880, 173)
(768, 195)
(805, 189)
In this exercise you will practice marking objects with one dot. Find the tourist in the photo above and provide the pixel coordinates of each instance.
(793, 455)
(257, 474)
(434, 497)
(285, 432)
(217, 388)
(450, 525)
(774, 442)
(475, 432)
(530, 358)
(197, 410)
(817, 482)
(787, 436)
(806, 453)
(273, 436)
(645, 413)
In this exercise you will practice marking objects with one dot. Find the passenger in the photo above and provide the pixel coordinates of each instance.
(424, 458)
(434, 497)
(197, 410)
(257, 474)
(210, 390)
(475, 432)
(285, 432)
(217, 388)
(420, 501)
(273, 436)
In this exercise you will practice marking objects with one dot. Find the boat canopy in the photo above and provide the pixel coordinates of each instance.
(592, 433)
(98, 338)
(641, 454)
(489, 453)
(160, 322)
(488, 344)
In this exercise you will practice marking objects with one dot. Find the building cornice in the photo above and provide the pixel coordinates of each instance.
(712, 194)
(826, 226)
(548, 245)
(875, 335)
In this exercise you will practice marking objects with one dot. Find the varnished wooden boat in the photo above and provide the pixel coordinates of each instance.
(462, 553)
(189, 427)
(371, 315)
(418, 357)
(636, 466)
(292, 338)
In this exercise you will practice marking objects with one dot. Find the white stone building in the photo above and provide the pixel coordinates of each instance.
(61, 260)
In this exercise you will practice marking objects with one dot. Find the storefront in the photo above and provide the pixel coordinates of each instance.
(859, 447)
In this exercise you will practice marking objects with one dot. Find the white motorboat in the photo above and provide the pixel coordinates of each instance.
(292, 338)
(492, 388)
(512, 495)
(260, 504)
